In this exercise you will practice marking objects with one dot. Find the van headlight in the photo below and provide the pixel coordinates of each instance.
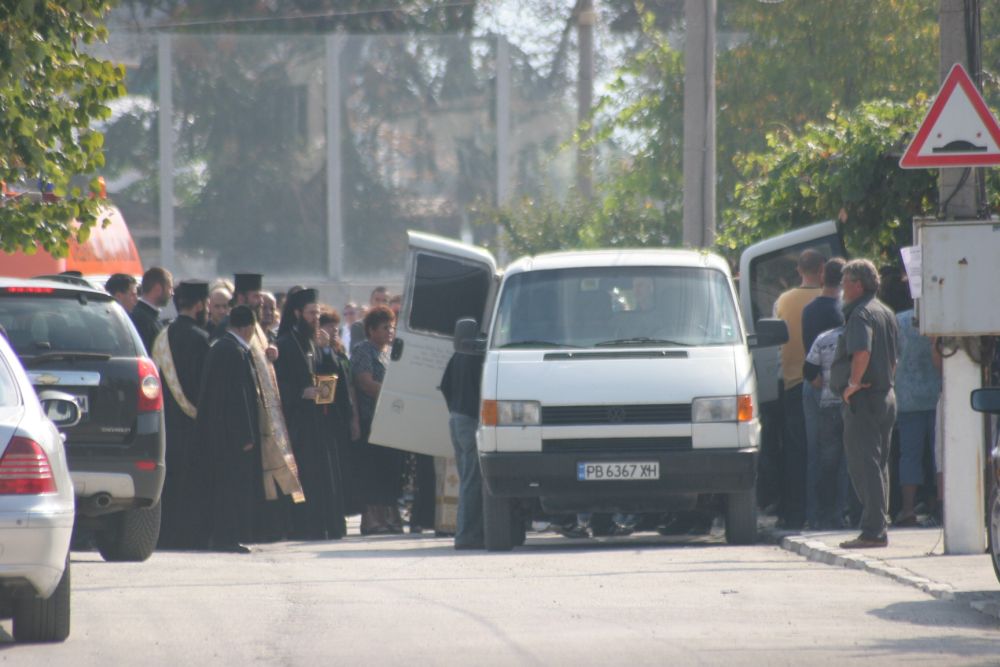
(512, 413)
(722, 409)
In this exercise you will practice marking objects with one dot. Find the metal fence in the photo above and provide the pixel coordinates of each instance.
(308, 157)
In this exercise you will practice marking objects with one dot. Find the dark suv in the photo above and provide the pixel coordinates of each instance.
(78, 340)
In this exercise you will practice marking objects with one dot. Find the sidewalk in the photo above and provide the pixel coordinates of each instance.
(915, 557)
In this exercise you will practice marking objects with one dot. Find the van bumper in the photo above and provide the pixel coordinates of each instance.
(537, 474)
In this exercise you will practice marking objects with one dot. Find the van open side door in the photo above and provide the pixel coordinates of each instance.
(444, 281)
(767, 269)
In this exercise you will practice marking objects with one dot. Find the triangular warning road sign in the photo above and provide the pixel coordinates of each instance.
(959, 130)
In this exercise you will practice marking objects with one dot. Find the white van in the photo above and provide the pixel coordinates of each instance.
(614, 380)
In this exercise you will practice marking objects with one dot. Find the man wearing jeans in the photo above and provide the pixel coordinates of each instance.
(460, 386)
(821, 314)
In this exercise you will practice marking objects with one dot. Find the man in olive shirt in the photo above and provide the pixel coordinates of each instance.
(862, 372)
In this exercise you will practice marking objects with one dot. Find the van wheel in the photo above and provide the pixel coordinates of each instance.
(131, 535)
(993, 522)
(498, 529)
(44, 619)
(741, 517)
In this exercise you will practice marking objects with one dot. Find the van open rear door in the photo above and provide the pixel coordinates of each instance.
(767, 269)
(444, 281)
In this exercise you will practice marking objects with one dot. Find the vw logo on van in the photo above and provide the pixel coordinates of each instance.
(616, 414)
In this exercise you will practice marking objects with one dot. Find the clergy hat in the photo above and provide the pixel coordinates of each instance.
(302, 298)
(242, 316)
(247, 282)
(191, 291)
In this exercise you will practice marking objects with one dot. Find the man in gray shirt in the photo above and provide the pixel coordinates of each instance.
(862, 373)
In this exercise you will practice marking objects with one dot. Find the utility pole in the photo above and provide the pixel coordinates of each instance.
(585, 19)
(962, 197)
(699, 123)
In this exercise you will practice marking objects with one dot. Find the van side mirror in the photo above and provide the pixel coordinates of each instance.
(769, 332)
(986, 400)
(468, 340)
(61, 408)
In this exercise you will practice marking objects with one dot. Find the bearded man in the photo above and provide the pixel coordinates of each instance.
(322, 515)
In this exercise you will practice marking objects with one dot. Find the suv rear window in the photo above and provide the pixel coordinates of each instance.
(65, 322)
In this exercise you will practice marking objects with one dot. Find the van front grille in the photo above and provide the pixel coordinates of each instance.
(585, 415)
(618, 446)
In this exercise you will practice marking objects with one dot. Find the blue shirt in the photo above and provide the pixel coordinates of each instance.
(918, 383)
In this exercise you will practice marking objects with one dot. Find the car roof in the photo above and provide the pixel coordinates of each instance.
(59, 284)
(620, 257)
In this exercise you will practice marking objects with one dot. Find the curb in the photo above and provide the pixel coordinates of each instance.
(820, 552)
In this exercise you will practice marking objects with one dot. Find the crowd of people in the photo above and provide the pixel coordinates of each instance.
(268, 405)
(855, 370)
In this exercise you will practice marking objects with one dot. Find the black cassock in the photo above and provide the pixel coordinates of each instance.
(321, 516)
(338, 417)
(184, 496)
(227, 422)
(147, 322)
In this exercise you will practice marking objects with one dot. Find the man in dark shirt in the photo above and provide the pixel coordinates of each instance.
(862, 372)
(820, 314)
(157, 288)
(460, 386)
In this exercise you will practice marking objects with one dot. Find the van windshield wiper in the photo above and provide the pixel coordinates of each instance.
(535, 343)
(66, 354)
(640, 340)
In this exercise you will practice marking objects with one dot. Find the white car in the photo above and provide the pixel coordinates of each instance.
(36, 505)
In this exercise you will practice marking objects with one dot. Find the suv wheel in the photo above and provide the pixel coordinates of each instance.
(741, 517)
(498, 530)
(131, 535)
(44, 619)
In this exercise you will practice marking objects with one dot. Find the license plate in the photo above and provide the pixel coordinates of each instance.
(617, 471)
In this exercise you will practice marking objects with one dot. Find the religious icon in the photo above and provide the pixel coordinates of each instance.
(326, 389)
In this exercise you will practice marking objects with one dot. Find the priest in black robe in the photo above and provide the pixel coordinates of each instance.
(321, 516)
(229, 432)
(180, 352)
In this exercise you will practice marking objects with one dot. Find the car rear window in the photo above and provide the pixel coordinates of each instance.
(65, 322)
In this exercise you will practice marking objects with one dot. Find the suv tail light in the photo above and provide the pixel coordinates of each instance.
(150, 394)
(25, 469)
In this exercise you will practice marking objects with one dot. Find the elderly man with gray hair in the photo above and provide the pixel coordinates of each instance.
(862, 373)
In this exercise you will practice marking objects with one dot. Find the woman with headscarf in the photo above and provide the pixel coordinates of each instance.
(321, 516)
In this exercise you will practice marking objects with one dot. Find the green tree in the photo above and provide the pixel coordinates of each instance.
(51, 93)
(846, 168)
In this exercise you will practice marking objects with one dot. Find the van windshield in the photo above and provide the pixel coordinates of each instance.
(617, 307)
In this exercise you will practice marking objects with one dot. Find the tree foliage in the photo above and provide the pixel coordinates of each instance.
(846, 167)
(51, 93)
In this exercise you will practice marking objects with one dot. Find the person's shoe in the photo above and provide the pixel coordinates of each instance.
(908, 521)
(574, 530)
(416, 529)
(235, 548)
(862, 542)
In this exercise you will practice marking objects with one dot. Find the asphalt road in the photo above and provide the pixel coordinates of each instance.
(415, 601)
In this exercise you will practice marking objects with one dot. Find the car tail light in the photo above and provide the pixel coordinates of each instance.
(25, 469)
(150, 393)
(29, 290)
